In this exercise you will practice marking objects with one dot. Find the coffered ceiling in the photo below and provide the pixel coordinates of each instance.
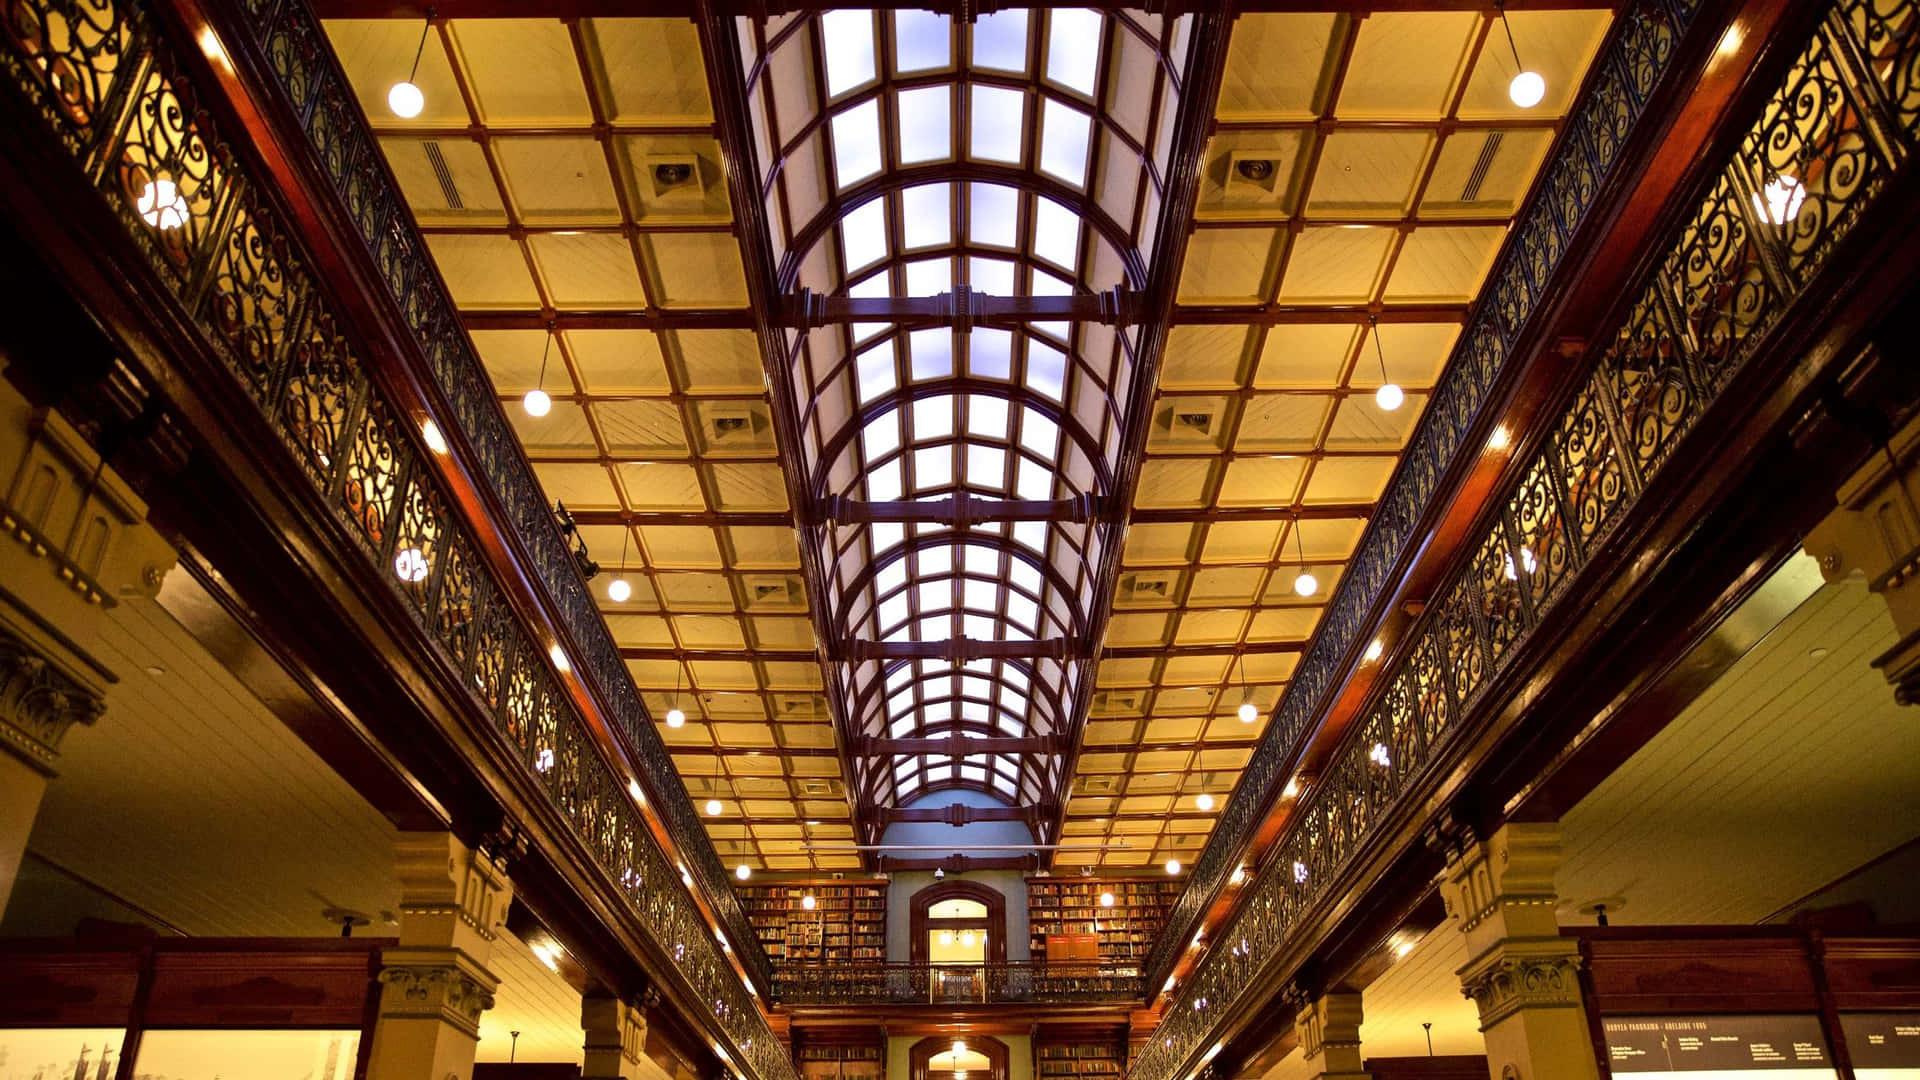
(568, 175)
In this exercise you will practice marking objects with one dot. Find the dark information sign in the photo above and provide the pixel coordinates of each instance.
(1884, 1040)
(1730, 1045)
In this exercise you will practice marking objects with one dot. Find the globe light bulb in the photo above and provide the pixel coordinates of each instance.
(959, 1047)
(946, 937)
(1106, 899)
(808, 902)
(1779, 202)
(1204, 802)
(161, 204)
(1527, 89)
(676, 718)
(966, 937)
(1306, 584)
(743, 871)
(618, 590)
(406, 100)
(537, 403)
(1249, 712)
(1173, 867)
(713, 807)
(410, 566)
(1389, 397)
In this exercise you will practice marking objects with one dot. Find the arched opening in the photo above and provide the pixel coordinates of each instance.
(959, 924)
(962, 1057)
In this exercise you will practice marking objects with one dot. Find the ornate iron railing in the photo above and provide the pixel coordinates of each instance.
(958, 984)
(107, 83)
(1626, 71)
(348, 155)
(1845, 117)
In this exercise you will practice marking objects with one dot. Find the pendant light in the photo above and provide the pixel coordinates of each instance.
(808, 902)
(405, 99)
(1389, 397)
(1248, 711)
(1204, 801)
(1306, 584)
(618, 590)
(676, 718)
(537, 403)
(1527, 88)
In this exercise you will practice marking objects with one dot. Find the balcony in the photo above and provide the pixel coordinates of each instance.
(1011, 982)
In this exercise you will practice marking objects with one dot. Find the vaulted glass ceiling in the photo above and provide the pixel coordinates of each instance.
(906, 155)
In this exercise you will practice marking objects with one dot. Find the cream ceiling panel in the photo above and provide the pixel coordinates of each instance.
(652, 70)
(1275, 65)
(511, 65)
(483, 271)
(1405, 64)
(558, 180)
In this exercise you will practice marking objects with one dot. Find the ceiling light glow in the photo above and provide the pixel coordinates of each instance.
(743, 871)
(618, 590)
(1106, 899)
(1173, 867)
(1249, 712)
(1527, 89)
(1204, 802)
(406, 100)
(410, 566)
(537, 403)
(1779, 202)
(808, 902)
(1374, 649)
(676, 718)
(713, 808)
(1389, 397)
(1306, 584)
(161, 205)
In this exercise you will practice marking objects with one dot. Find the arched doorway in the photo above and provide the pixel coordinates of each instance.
(958, 1057)
(959, 923)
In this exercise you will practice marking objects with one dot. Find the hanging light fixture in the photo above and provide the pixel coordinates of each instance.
(713, 808)
(1204, 802)
(1106, 899)
(1173, 867)
(808, 901)
(676, 718)
(537, 403)
(743, 871)
(1306, 584)
(1527, 88)
(1248, 711)
(946, 937)
(405, 99)
(1389, 397)
(966, 938)
(618, 590)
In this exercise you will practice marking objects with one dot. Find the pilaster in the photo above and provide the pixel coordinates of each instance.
(615, 1036)
(1876, 531)
(435, 985)
(1522, 975)
(1329, 1031)
(39, 704)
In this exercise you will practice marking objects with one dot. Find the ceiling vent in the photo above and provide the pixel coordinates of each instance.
(1117, 702)
(799, 705)
(766, 592)
(441, 173)
(675, 177)
(1149, 588)
(1096, 785)
(826, 788)
(1482, 165)
(1253, 174)
(1194, 421)
(729, 425)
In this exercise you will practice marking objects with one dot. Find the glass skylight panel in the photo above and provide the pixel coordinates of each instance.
(981, 560)
(922, 41)
(863, 235)
(934, 629)
(936, 561)
(886, 535)
(935, 596)
(849, 49)
(1038, 433)
(986, 467)
(933, 417)
(981, 595)
(982, 628)
(1031, 535)
(987, 416)
(1027, 577)
(856, 143)
(990, 353)
(1000, 41)
(994, 215)
(932, 353)
(926, 214)
(998, 124)
(887, 578)
(1033, 481)
(883, 483)
(1056, 234)
(881, 436)
(1046, 369)
(1063, 142)
(874, 369)
(933, 467)
(1073, 48)
(991, 275)
(1023, 612)
(926, 124)
(929, 277)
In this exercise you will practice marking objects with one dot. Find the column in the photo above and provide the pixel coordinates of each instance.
(1329, 1031)
(1876, 531)
(39, 703)
(616, 1038)
(435, 983)
(1523, 975)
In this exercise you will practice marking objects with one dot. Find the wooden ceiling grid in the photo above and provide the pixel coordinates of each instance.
(1255, 472)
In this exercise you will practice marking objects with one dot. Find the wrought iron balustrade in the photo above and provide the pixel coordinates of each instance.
(957, 984)
(109, 87)
(1844, 120)
(1626, 72)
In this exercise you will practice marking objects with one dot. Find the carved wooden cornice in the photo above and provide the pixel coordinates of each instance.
(39, 703)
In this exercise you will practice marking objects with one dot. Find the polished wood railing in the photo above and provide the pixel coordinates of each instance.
(1007, 982)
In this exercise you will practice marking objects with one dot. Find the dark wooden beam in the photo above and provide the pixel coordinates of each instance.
(956, 746)
(959, 649)
(956, 814)
(959, 509)
(685, 9)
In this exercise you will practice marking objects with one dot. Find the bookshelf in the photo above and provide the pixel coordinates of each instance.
(1068, 910)
(848, 921)
(841, 1062)
(1080, 1060)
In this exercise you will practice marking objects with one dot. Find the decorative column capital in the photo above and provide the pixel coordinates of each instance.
(615, 1036)
(1329, 1031)
(1523, 973)
(449, 893)
(39, 703)
(1503, 887)
(436, 984)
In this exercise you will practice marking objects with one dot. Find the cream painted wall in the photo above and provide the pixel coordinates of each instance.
(1019, 1054)
(1008, 883)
